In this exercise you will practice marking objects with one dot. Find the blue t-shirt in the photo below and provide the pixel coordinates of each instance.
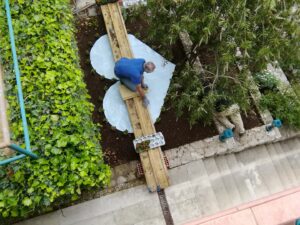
(132, 69)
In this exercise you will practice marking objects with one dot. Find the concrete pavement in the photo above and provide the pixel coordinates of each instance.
(282, 208)
(199, 189)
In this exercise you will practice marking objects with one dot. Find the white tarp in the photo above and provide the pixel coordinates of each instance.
(158, 81)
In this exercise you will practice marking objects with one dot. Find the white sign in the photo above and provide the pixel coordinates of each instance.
(128, 3)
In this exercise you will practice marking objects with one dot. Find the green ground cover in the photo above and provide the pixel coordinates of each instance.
(58, 111)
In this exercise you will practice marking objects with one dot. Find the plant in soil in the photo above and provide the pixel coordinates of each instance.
(224, 34)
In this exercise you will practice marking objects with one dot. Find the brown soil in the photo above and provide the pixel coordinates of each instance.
(117, 146)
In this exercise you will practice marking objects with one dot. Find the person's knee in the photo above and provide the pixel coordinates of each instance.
(131, 86)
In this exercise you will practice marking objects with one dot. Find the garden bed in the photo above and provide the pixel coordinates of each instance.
(117, 146)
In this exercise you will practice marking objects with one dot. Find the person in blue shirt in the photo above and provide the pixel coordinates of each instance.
(130, 72)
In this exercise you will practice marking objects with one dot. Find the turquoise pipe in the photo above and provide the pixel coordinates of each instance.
(23, 155)
(23, 151)
(20, 150)
(10, 160)
(17, 72)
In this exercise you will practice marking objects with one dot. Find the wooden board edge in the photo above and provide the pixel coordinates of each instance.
(160, 171)
(3, 115)
(148, 172)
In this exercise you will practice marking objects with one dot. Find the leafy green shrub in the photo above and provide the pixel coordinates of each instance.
(282, 101)
(58, 111)
(266, 82)
(189, 93)
(284, 105)
(224, 33)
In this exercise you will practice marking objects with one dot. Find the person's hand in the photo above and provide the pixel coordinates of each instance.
(146, 102)
(145, 86)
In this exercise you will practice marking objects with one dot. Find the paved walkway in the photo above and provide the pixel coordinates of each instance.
(202, 188)
(133, 206)
(282, 208)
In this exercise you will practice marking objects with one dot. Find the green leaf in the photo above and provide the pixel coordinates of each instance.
(62, 142)
(12, 201)
(14, 213)
(27, 201)
(30, 190)
(56, 151)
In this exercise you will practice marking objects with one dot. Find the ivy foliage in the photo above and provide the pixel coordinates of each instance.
(58, 111)
(224, 33)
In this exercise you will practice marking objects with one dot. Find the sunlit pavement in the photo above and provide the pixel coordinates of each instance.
(282, 209)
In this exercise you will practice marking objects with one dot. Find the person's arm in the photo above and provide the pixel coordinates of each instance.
(142, 81)
(140, 90)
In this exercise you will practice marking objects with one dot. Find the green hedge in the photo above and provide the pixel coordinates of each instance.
(58, 111)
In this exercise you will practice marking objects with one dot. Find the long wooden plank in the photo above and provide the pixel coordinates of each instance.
(123, 24)
(141, 122)
(145, 159)
(111, 32)
(153, 162)
(148, 170)
(156, 159)
(120, 31)
(147, 125)
(128, 94)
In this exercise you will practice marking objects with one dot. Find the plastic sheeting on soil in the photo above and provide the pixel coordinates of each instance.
(114, 107)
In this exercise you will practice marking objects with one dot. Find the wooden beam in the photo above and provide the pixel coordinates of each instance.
(128, 94)
(152, 160)
(111, 32)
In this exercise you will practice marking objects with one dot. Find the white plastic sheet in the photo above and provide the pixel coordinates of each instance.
(114, 107)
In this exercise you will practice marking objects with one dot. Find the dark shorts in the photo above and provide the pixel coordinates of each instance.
(129, 84)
